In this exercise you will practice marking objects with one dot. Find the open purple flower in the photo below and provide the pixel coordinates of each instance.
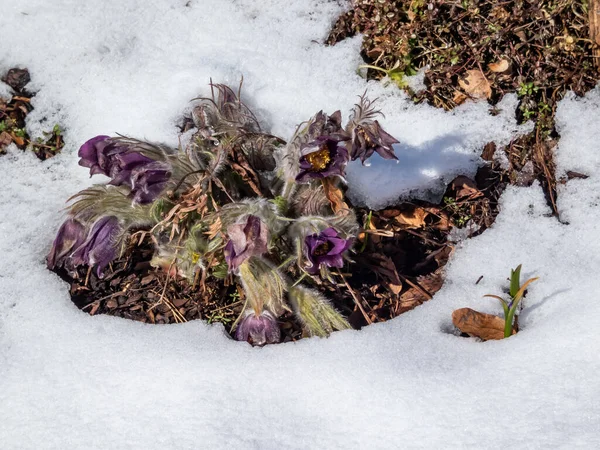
(246, 239)
(70, 236)
(99, 249)
(368, 138)
(324, 157)
(258, 329)
(325, 248)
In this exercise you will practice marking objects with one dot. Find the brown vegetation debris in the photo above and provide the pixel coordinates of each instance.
(13, 115)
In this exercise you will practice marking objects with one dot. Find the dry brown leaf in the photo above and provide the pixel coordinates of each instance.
(412, 218)
(214, 229)
(500, 66)
(440, 221)
(410, 300)
(384, 267)
(488, 151)
(481, 325)
(476, 84)
(5, 139)
(335, 196)
(17, 140)
(465, 188)
(459, 98)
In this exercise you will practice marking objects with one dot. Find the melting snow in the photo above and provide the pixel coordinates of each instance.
(72, 381)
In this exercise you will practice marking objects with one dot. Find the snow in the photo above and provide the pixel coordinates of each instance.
(72, 381)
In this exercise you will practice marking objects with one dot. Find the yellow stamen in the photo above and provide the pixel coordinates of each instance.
(320, 159)
(323, 249)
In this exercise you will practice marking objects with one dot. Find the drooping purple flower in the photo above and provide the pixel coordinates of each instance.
(325, 248)
(258, 329)
(70, 236)
(100, 247)
(368, 138)
(98, 154)
(125, 166)
(324, 157)
(246, 239)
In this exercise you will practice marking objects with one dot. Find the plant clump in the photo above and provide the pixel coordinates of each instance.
(236, 205)
(241, 228)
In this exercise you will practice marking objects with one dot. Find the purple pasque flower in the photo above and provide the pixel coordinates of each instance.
(325, 248)
(324, 157)
(98, 154)
(100, 247)
(368, 138)
(122, 164)
(246, 239)
(258, 329)
(70, 236)
(148, 181)
(125, 166)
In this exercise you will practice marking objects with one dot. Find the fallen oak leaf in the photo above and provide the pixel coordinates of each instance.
(481, 325)
(476, 85)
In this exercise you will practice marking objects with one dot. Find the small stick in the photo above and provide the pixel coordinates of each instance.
(355, 298)
(417, 287)
(87, 277)
(594, 17)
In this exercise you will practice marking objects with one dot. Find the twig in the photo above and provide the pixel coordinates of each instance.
(355, 298)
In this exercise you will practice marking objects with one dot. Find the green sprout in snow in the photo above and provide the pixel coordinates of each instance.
(516, 293)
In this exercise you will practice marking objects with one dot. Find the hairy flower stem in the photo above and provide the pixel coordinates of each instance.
(288, 190)
(264, 285)
(314, 311)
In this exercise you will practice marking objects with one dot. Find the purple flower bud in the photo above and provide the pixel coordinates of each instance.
(323, 124)
(245, 240)
(258, 329)
(324, 157)
(368, 138)
(325, 248)
(71, 235)
(99, 249)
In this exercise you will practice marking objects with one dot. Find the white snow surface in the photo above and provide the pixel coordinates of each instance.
(72, 381)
